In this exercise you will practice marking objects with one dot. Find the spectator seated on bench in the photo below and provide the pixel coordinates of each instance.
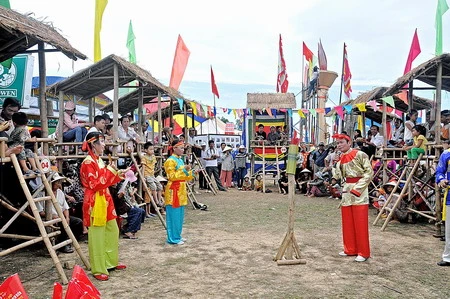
(73, 131)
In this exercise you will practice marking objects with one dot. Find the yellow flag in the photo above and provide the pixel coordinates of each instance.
(100, 6)
(301, 114)
(360, 123)
(194, 108)
(361, 107)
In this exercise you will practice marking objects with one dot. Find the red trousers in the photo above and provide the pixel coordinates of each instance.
(355, 230)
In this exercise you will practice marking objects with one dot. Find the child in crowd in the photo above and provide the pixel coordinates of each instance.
(19, 136)
(382, 195)
(419, 146)
(258, 183)
(283, 183)
(246, 185)
(148, 162)
(335, 189)
(227, 167)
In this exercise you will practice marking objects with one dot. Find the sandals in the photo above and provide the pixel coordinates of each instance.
(130, 236)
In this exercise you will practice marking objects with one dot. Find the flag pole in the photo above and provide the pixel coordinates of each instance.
(342, 84)
(342, 75)
(303, 97)
(215, 116)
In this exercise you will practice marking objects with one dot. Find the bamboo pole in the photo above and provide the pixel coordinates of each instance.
(14, 217)
(437, 127)
(152, 200)
(42, 95)
(160, 123)
(25, 244)
(116, 107)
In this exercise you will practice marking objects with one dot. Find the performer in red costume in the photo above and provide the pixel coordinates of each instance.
(354, 169)
(99, 214)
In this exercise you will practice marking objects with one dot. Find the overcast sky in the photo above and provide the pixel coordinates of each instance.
(240, 38)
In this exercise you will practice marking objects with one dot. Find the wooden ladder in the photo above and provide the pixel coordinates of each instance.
(196, 161)
(146, 190)
(42, 225)
(409, 176)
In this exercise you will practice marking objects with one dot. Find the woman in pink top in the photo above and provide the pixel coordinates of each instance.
(72, 130)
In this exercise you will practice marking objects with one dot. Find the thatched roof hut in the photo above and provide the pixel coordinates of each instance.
(19, 33)
(271, 100)
(99, 78)
(376, 94)
(425, 72)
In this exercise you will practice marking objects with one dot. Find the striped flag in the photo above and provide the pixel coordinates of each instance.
(282, 81)
(347, 75)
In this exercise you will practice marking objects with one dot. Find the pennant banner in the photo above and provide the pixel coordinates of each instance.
(389, 100)
(361, 107)
(348, 109)
(339, 111)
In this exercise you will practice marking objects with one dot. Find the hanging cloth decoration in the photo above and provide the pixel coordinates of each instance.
(373, 104)
(348, 109)
(361, 107)
(339, 111)
(389, 100)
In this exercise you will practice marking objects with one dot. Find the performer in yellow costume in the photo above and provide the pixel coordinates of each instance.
(176, 193)
(355, 170)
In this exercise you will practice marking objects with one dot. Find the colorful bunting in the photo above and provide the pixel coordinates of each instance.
(301, 114)
(389, 100)
(269, 111)
(313, 112)
(348, 109)
(181, 103)
(373, 104)
(327, 110)
(340, 111)
(361, 107)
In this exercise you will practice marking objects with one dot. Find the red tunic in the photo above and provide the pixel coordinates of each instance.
(96, 178)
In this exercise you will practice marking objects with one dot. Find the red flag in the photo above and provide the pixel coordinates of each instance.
(413, 52)
(347, 75)
(307, 52)
(179, 63)
(322, 57)
(213, 85)
(282, 81)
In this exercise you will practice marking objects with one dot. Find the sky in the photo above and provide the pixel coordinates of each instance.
(240, 39)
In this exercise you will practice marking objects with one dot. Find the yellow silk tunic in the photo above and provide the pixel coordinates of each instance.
(175, 171)
(354, 164)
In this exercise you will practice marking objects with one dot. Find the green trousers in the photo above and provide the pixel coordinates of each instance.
(103, 247)
(414, 153)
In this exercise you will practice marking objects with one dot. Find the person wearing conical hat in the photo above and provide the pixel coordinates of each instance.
(355, 170)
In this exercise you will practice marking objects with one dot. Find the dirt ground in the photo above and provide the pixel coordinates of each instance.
(229, 254)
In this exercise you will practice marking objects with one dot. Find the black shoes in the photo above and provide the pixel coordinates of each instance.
(443, 263)
(69, 249)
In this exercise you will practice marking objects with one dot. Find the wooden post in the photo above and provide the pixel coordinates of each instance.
(91, 111)
(160, 123)
(289, 251)
(383, 125)
(60, 126)
(116, 107)
(42, 94)
(141, 111)
(171, 114)
(153, 127)
(437, 126)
